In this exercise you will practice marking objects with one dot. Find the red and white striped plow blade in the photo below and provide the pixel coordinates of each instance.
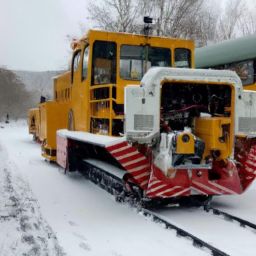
(228, 184)
(163, 187)
(133, 161)
(250, 163)
(212, 188)
(246, 158)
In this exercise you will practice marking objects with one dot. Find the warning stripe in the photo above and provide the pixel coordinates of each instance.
(156, 188)
(117, 146)
(181, 193)
(138, 168)
(119, 149)
(206, 188)
(138, 164)
(123, 153)
(198, 190)
(167, 191)
(222, 188)
(133, 161)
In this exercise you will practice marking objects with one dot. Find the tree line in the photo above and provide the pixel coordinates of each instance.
(201, 20)
(15, 100)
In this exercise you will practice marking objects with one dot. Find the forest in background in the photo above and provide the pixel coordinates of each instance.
(21, 90)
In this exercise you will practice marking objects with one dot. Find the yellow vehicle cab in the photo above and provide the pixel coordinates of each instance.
(90, 97)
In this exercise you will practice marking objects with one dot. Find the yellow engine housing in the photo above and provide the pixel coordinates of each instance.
(185, 143)
(215, 132)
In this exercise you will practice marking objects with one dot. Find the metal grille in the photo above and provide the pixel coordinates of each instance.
(247, 124)
(143, 122)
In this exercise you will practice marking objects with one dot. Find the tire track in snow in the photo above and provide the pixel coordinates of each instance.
(23, 231)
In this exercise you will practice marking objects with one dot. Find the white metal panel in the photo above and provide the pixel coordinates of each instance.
(246, 113)
(96, 139)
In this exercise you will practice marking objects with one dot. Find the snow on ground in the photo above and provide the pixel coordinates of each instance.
(23, 231)
(85, 219)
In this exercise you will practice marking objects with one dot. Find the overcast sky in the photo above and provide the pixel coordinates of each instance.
(33, 32)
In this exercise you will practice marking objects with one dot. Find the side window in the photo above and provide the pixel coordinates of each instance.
(104, 63)
(159, 57)
(244, 69)
(254, 69)
(182, 58)
(85, 63)
(75, 64)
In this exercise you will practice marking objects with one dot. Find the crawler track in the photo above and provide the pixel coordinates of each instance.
(115, 186)
(227, 216)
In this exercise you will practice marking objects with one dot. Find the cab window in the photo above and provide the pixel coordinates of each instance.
(75, 64)
(136, 60)
(244, 69)
(85, 63)
(254, 70)
(131, 62)
(104, 63)
(182, 58)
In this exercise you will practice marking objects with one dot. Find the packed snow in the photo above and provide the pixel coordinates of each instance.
(85, 219)
(46, 212)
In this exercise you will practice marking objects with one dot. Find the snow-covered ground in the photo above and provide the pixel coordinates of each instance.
(45, 212)
(85, 219)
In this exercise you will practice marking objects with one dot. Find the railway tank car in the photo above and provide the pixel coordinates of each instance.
(175, 134)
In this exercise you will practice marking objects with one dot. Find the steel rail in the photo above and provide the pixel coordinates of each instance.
(242, 222)
(115, 186)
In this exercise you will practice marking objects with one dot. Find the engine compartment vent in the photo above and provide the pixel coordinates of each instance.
(143, 122)
(247, 124)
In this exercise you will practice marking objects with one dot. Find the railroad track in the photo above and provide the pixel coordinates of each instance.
(227, 216)
(197, 242)
(114, 185)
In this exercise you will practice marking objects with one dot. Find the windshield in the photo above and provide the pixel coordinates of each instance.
(136, 60)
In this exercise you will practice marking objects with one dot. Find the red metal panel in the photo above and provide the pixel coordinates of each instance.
(127, 155)
(62, 148)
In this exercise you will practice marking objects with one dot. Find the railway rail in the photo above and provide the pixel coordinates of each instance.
(94, 171)
(227, 216)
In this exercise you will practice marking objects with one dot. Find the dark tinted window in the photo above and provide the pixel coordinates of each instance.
(182, 58)
(104, 63)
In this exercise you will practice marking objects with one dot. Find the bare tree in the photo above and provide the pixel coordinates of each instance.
(201, 20)
(229, 20)
(176, 18)
(247, 23)
(114, 15)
